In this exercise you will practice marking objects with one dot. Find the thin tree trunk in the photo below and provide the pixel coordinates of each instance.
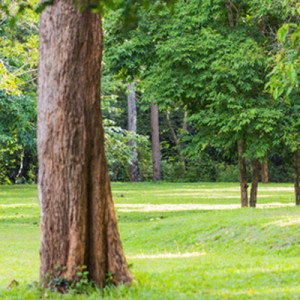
(243, 173)
(134, 172)
(254, 185)
(229, 5)
(264, 172)
(21, 166)
(296, 176)
(78, 220)
(156, 159)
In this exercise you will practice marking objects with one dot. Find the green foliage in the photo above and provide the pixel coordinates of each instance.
(145, 159)
(117, 149)
(17, 137)
(18, 71)
(58, 282)
(188, 55)
(218, 72)
(18, 51)
(227, 173)
(284, 78)
(172, 171)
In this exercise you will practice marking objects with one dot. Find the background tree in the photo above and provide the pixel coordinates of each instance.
(127, 56)
(134, 171)
(156, 160)
(215, 66)
(18, 72)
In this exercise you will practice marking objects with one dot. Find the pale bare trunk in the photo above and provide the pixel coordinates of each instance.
(21, 166)
(156, 159)
(134, 171)
(243, 173)
(78, 221)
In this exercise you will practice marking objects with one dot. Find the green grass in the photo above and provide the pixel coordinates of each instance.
(241, 253)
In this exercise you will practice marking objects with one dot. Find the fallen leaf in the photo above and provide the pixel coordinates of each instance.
(12, 284)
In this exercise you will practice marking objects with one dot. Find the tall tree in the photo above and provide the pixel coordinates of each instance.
(211, 57)
(134, 172)
(78, 220)
(156, 158)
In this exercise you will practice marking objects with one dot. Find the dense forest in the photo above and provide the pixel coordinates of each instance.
(199, 91)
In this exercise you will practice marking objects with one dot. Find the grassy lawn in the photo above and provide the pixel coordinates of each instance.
(179, 245)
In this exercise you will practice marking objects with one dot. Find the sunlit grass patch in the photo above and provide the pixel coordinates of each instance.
(189, 207)
(182, 252)
(205, 193)
(293, 221)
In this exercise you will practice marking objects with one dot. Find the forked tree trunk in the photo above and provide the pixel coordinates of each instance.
(296, 176)
(264, 172)
(78, 220)
(156, 160)
(134, 172)
(254, 185)
(243, 173)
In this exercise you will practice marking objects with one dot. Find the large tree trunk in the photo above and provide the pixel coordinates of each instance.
(78, 220)
(243, 173)
(134, 171)
(255, 176)
(156, 160)
(264, 172)
(296, 176)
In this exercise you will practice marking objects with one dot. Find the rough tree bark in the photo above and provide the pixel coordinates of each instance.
(243, 173)
(134, 172)
(264, 172)
(296, 176)
(255, 177)
(156, 160)
(78, 220)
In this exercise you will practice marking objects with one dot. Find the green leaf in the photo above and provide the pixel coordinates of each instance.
(282, 32)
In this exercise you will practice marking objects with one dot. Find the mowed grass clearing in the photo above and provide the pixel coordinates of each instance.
(178, 241)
